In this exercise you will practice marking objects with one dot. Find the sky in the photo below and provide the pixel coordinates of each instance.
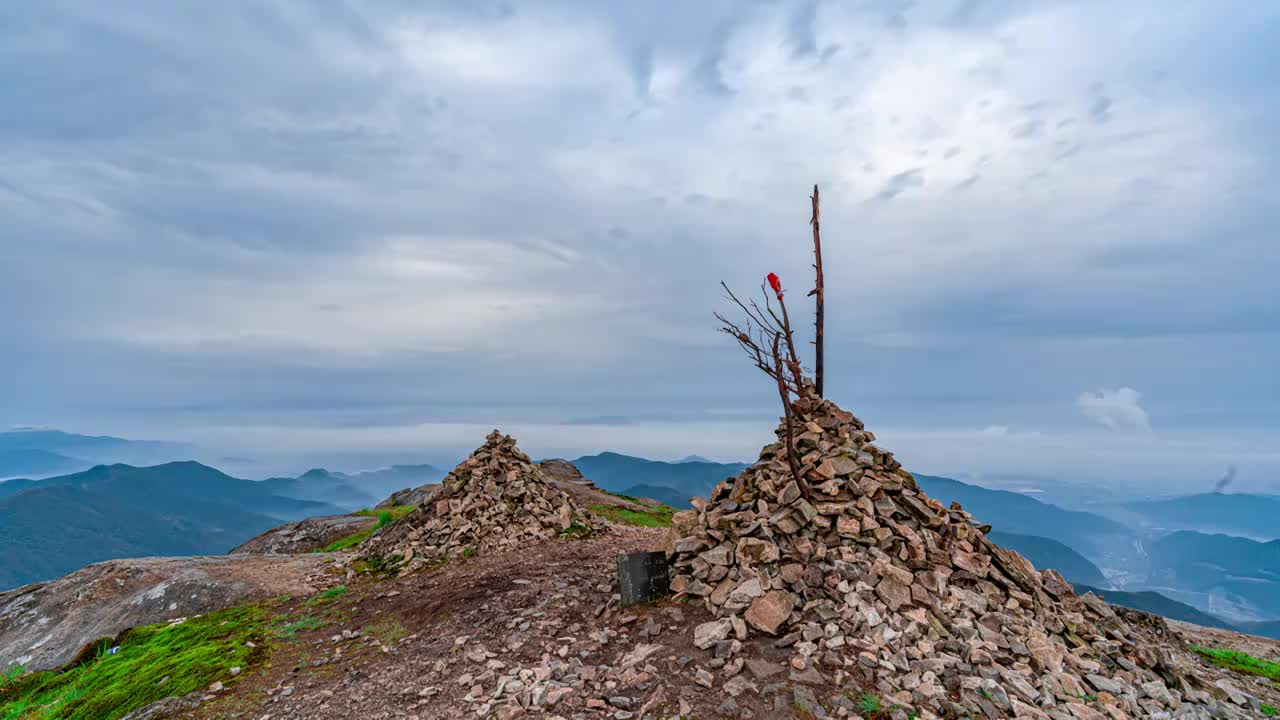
(357, 233)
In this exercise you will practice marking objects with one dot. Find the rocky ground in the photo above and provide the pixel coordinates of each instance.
(535, 634)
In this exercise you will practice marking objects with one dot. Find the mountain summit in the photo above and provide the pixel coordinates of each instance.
(868, 579)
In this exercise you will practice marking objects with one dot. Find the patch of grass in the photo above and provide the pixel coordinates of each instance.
(9, 676)
(153, 662)
(869, 704)
(385, 517)
(1240, 662)
(388, 632)
(656, 517)
(469, 551)
(327, 596)
(1269, 711)
(289, 631)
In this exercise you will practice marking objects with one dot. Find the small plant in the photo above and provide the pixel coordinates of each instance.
(469, 551)
(869, 703)
(1269, 711)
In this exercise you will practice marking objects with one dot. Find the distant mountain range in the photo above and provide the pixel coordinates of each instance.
(42, 453)
(1245, 514)
(355, 490)
(1013, 512)
(51, 527)
(1236, 571)
(620, 473)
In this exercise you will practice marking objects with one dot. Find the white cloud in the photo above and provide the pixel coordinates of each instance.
(1118, 409)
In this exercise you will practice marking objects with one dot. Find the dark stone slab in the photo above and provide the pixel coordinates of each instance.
(643, 577)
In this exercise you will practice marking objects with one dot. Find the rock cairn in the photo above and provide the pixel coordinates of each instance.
(496, 499)
(871, 582)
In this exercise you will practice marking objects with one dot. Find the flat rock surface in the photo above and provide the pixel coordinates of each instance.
(45, 625)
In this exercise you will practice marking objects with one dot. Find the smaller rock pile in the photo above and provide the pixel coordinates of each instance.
(871, 582)
(497, 499)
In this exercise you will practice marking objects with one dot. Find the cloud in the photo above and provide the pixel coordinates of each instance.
(1117, 409)
(478, 212)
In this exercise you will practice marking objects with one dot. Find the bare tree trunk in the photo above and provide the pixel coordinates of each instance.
(792, 461)
(819, 312)
(793, 359)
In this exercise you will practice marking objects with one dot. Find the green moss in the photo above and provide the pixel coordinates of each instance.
(659, 516)
(1240, 662)
(576, 531)
(152, 662)
(1269, 711)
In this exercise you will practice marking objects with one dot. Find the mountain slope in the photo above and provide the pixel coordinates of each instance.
(1231, 513)
(1045, 553)
(1157, 604)
(616, 472)
(1016, 513)
(1235, 569)
(59, 525)
(91, 448)
(34, 462)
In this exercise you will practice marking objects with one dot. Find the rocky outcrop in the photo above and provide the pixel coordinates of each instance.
(410, 496)
(497, 499)
(869, 581)
(562, 471)
(45, 625)
(306, 535)
(566, 476)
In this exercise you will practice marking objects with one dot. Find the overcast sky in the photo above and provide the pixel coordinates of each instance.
(311, 230)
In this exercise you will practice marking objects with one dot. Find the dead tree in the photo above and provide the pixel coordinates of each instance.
(818, 296)
(767, 340)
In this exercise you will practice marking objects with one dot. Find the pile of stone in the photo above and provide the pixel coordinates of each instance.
(869, 582)
(497, 499)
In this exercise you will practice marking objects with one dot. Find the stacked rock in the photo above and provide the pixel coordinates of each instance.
(871, 582)
(496, 499)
